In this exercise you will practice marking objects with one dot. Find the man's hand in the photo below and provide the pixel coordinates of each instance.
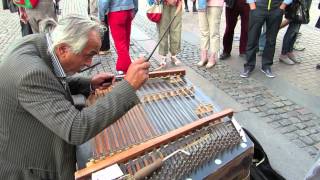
(252, 6)
(138, 73)
(23, 15)
(283, 6)
(102, 80)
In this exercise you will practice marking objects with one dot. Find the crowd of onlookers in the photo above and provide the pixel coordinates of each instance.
(260, 24)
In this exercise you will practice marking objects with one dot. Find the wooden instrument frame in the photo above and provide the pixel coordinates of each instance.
(152, 143)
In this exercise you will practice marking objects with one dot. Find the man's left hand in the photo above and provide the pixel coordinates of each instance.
(283, 6)
(102, 81)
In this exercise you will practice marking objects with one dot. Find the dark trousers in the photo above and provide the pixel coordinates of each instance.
(290, 37)
(240, 8)
(106, 37)
(186, 4)
(273, 20)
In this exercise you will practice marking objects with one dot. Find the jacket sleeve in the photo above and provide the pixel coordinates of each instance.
(40, 93)
(287, 2)
(103, 8)
(250, 1)
(79, 85)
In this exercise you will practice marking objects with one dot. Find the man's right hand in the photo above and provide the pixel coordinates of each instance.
(138, 73)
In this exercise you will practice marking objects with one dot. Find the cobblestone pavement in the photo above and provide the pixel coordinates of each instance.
(9, 29)
(303, 76)
(298, 124)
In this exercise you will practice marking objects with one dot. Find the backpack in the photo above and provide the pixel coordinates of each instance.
(297, 12)
(30, 4)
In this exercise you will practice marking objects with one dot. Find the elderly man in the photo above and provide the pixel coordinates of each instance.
(39, 124)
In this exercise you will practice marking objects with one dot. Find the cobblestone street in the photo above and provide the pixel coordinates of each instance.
(288, 104)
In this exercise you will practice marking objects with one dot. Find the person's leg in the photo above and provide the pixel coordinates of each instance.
(117, 25)
(286, 44)
(128, 27)
(273, 22)
(231, 22)
(105, 46)
(256, 20)
(287, 39)
(204, 38)
(244, 13)
(194, 6)
(175, 35)
(295, 31)
(161, 26)
(214, 18)
(204, 31)
(186, 6)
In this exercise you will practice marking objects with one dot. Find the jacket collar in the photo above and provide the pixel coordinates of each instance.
(57, 68)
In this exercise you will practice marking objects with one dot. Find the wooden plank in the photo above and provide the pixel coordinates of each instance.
(152, 143)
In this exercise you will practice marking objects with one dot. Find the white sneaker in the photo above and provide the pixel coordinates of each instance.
(175, 60)
(163, 61)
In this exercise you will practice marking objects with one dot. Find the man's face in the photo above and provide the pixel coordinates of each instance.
(71, 62)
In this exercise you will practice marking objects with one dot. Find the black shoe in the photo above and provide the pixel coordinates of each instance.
(194, 9)
(186, 9)
(267, 71)
(318, 66)
(246, 73)
(224, 56)
(243, 55)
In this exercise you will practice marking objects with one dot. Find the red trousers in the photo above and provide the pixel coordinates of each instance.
(240, 8)
(120, 26)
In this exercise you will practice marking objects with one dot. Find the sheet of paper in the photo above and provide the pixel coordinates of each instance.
(109, 173)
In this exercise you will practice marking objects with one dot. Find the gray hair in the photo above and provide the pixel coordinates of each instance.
(73, 30)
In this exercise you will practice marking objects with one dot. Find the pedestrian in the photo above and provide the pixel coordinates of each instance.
(233, 10)
(287, 56)
(194, 6)
(209, 13)
(172, 39)
(25, 26)
(94, 10)
(39, 123)
(120, 15)
(269, 12)
(44, 9)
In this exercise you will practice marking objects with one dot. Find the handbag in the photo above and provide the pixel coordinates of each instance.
(154, 12)
(30, 4)
(297, 12)
(261, 168)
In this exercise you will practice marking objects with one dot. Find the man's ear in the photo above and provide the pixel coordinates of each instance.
(62, 50)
